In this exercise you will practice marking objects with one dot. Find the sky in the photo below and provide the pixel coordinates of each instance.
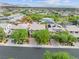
(49, 3)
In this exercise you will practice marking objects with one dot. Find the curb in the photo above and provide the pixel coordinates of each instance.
(39, 46)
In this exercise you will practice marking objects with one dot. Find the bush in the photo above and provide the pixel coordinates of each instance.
(41, 36)
(19, 35)
(64, 37)
(10, 58)
(6, 14)
(47, 55)
(58, 55)
(2, 34)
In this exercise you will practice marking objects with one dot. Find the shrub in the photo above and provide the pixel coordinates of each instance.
(47, 55)
(41, 36)
(19, 35)
(58, 55)
(10, 58)
(2, 34)
(64, 37)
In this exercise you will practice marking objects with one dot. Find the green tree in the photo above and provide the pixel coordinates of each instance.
(72, 18)
(41, 36)
(26, 19)
(2, 34)
(58, 55)
(6, 14)
(20, 35)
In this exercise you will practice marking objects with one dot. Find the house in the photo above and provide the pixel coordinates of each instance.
(35, 26)
(15, 17)
(20, 26)
(4, 19)
(47, 20)
(12, 18)
(7, 28)
(78, 21)
(1, 14)
(72, 29)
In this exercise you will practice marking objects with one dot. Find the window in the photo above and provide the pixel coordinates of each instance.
(71, 31)
(49, 26)
(76, 31)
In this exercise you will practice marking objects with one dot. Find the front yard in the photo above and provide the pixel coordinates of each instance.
(40, 37)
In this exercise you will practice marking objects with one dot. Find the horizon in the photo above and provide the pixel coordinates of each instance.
(44, 3)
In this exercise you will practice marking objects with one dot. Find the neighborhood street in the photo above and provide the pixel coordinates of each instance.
(31, 53)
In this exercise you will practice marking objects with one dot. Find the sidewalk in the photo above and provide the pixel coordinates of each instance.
(32, 43)
(37, 46)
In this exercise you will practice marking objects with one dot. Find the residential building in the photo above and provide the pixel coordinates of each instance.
(35, 26)
(15, 17)
(72, 29)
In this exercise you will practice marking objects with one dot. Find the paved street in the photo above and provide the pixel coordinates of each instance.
(31, 53)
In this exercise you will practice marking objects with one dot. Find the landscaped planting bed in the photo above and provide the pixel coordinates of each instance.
(58, 55)
(2, 36)
(64, 38)
(20, 36)
(42, 36)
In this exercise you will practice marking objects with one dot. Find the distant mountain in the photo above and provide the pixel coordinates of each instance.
(47, 6)
(7, 5)
(29, 5)
(22, 5)
(13, 5)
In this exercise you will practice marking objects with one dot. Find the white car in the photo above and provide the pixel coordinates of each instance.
(56, 28)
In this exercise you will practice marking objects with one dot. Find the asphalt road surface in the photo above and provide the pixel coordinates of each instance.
(31, 53)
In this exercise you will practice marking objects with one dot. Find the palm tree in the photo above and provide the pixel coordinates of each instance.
(26, 19)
